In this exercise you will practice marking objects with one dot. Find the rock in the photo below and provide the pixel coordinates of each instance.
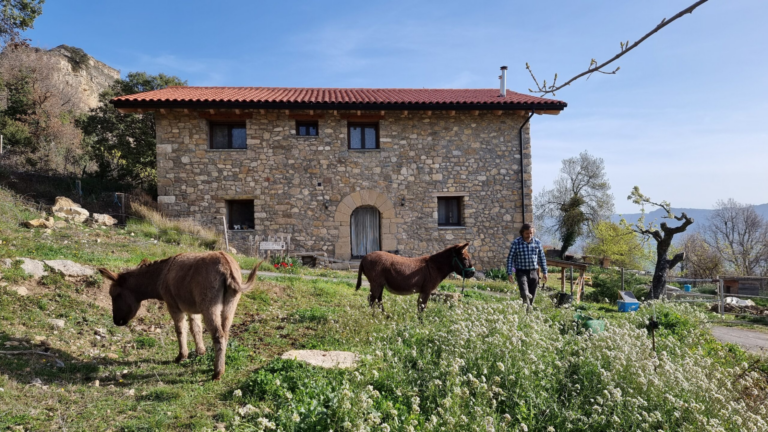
(36, 381)
(64, 203)
(75, 214)
(480, 276)
(95, 383)
(325, 359)
(31, 267)
(39, 338)
(58, 323)
(39, 223)
(20, 290)
(103, 219)
(130, 392)
(69, 268)
(59, 224)
(112, 356)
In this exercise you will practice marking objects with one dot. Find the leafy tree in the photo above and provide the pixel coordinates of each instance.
(618, 242)
(123, 145)
(17, 16)
(663, 235)
(579, 199)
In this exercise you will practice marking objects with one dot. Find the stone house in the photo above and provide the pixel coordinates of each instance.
(348, 171)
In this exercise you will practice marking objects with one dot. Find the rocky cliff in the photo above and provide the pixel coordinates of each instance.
(83, 72)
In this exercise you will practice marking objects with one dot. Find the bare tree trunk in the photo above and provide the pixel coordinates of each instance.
(663, 266)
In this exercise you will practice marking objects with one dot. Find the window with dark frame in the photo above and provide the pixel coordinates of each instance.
(225, 136)
(306, 128)
(363, 136)
(240, 215)
(449, 211)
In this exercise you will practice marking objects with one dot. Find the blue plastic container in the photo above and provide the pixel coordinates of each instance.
(687, 288)
(628, 306)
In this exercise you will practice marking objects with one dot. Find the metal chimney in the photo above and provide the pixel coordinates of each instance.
(503, 86)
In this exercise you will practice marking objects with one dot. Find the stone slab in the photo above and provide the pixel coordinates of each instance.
(324, 359)
(70, 268)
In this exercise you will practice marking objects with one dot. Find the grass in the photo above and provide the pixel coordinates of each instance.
(481, 364)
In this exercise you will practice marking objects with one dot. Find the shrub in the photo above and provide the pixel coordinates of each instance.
(497, 274)
(607, 284)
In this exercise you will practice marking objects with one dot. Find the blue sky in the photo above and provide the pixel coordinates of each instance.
(683, 119)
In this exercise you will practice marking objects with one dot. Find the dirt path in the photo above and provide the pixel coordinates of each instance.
(751, 340)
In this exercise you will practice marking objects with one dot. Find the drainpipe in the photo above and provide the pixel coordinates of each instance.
(522, 165)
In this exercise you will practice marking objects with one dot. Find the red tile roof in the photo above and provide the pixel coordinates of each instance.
(265, 96)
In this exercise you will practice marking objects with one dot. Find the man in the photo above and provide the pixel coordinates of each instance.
(525, 258)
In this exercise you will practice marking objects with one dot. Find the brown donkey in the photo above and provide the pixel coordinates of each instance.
(403, 276)
(194, 284)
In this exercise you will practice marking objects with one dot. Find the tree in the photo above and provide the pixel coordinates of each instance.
(625, 47)
(38, 123)
(663, 235)
(579, 199)
(618, 242)
(701, 261)
(740, 236)
(123, 145)
(17, 16)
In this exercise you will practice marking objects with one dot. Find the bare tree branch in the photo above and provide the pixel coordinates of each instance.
(595, 67)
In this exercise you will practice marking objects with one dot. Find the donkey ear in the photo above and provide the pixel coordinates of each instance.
(144, 262)
(108, 274)
(464, 246)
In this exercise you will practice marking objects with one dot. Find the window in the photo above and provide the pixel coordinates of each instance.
(363, 136)
(240, 215)
(306, 128)
(449, 211)
(228, 136)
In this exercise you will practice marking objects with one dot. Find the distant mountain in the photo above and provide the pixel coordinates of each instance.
(700, 216)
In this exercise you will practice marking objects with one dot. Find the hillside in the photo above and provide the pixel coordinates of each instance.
(700, 216)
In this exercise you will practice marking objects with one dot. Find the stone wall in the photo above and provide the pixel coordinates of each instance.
(308, 186)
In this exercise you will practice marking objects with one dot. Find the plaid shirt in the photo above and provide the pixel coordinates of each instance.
(526, 256)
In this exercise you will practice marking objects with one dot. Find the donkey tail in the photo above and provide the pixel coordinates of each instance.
(359, 276)
(251, 278)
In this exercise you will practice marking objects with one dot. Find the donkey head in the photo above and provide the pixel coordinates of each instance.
(462, 262)
(124, 302)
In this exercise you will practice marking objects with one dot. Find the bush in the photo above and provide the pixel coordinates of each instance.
(497, 274)
(607, 284)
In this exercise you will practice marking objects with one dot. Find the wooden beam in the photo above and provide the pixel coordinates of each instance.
(367, 117)
(311, 112)
(548, 112)
(224, 116)
(359, 112)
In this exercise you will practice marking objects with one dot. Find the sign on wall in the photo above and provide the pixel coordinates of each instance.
(272, 246)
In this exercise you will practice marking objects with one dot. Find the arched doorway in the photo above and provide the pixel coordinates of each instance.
(364, 225)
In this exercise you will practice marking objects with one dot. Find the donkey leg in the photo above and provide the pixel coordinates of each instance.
(212, 319)
(423, 299)
(179, 322)
(228, 313)
(196, 326)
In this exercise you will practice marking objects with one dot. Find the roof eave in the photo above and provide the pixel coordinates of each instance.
(152, 105)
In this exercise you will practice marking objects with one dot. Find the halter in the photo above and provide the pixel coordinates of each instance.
(463, 271)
